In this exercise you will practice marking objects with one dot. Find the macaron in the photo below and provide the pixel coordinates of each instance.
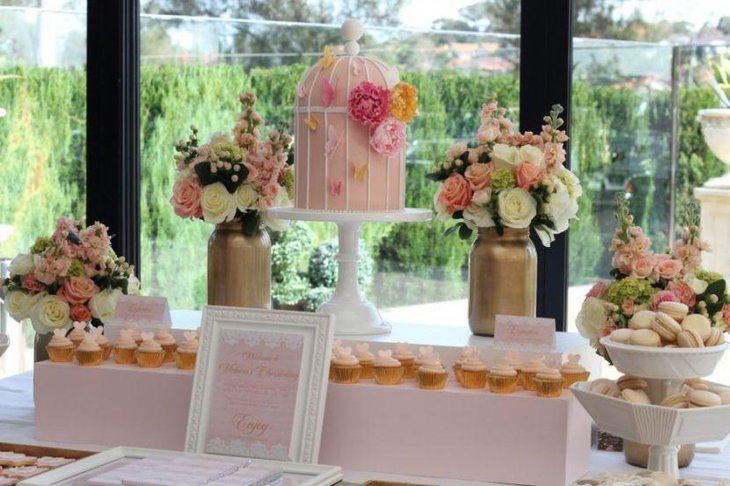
(716, 337)
(702, 398)
(641, 320)
(678, 400)
(665, 325)
(696, 384)
(632, 383)
(621, 335)
(689, 338)
(604, 386)
(635, 396)
(699, 323)
(677, 310)
(645, 337)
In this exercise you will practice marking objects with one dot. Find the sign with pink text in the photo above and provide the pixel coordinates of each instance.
(260, 384)
(524, 332)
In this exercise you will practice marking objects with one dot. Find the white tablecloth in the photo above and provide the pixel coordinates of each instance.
(17, 425)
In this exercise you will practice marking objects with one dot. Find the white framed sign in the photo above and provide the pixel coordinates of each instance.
(260, 384)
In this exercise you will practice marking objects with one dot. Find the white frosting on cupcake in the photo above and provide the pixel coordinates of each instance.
(125, 340)
(363, 352)
(403, 351)
(503, 370)
(189, 344)
(89, 343)
(473, 363)
(164, 337)
(98, 333)
(385, 359)
(344, 357)
(149, 345)
(59, 339)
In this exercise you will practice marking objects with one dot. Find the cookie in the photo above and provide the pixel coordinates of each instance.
(23, 472)
(702, 398)
(52, 462)
(645, 337)
(641, 320)
(13, 459)
(604, 386)
(636, 396)
(676, 310)
(632, 383)
(699, 323)
(678, 400)
(665, 325)
(621, 335)
(689, 338)
(715, 338)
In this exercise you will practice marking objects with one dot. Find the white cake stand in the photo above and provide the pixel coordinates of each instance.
(356, 316)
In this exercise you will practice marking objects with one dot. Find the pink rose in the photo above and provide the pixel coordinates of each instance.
(669, 269)
(389, 137)
(598, 290)
(622, 260)
(272, 190)
(663, 296)
(31, 283)
(479, 175)
(684, 293)
(78, 290)
(726, 314)
(528, 175)
(642, 267)
(607, 329)
(455, 193)
(186, 198)
(627, 307)
(368, 103)
(80, 312)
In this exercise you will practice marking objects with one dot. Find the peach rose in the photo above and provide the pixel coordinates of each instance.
(479, 175)
(628, 307)
(455, 193)
(598, 290)
(185, 199)
(78, 290)
(528, 175)
(31, 283)
(663, 296)
(80, 312)
(622, 261)
(669, 269)
(642, 267)
(683, 292)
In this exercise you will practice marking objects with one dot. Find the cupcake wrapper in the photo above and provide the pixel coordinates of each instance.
(76, 342)
(150, 360)
(408, 371)
(548, 388)
(570, 378)
(106, 351)
(527, 383)
(473, 379)
(388, 375)
(431, 381)
(502, 384)
(347, 374)
(169, 352)
(367, 373)
(125, 355)
(457, 371)
(60, 354)
(186, 361)
(332, 372)
(89, 358)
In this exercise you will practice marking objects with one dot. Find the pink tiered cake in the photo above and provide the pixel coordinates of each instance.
(350, 120)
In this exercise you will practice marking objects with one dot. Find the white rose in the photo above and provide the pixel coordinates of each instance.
(246, 197)
(571, 182)
(21, 264)
(477, 216)
(560, 208)
(133, 285)
(531, 155)
(456, 150)
(482, 196)
(282, 200)
(104, 304)
(20, 304)
(218, 204)
(591, 319)
(441, 213)
(50, 312)
(505, 156)
(516, 208)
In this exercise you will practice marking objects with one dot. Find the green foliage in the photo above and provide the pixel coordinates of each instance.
(323, 266)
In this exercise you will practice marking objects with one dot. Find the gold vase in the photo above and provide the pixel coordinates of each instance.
(638, 454)
(502, 277)
(239, 267)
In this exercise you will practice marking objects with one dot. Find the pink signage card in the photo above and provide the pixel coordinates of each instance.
(523, 331)
(254, 394)
(146, 309)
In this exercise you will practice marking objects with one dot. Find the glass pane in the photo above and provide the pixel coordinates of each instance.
(42, 134)
(195, 61)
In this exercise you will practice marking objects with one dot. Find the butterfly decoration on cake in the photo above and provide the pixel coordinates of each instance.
(312, 122)
(360, 170)
(333, 140)
(335, 187)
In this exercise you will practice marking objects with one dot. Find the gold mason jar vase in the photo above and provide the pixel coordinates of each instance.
(502, 277)
(239, 267)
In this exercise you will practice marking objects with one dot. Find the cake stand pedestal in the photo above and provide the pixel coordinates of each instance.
(355, 315)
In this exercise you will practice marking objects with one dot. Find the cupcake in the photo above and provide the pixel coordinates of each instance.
(102, 341)
(423, 352)
(89, 353)
(466, 353)
(573, 371)
(548, 382)
(136, 334)
(407, 359)
(529, 371)
(149, 354)
(78, 333)
(60, 349)
(513, 359)
(473, 373)
(388, 370)
(125, 348)
(366, 359)
(168, 343)
(346, 367)
(502, 379)
(335, 346)
(187, 351)
(431, 372)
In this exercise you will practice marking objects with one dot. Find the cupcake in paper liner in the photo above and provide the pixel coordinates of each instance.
(136, 333)
(423, 353)
(125, 348)
(431, 372)
(388, 370)
(187, 352)
(78, 333)
(548, 383)
(366, 359)
(149, 354)
(346, 366)
(466, 353)
(407, 359)
(530, 370)
(102, 341)
(89, 353)
(473, 373)
(335, 346)
(168, 343)
(512, 358)
(503, 379)
(60, 348)
(573, 371)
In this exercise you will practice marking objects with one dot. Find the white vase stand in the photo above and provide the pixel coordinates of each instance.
(355, 315)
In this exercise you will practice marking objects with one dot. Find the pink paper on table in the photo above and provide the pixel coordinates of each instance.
(254, 394)
(524, 331)
(140, 308)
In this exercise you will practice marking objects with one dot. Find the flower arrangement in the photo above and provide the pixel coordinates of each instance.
(505, 179)
(72, 276)
(236, 175)
(642, 279)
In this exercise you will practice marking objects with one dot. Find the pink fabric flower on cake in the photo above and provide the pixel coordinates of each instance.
(455, 193)
(186, 198)
(389, 137)
(368, 103)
